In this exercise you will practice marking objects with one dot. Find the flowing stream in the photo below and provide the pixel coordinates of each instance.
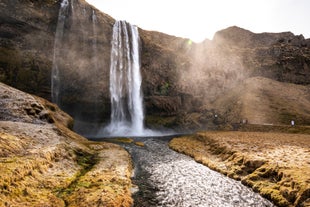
(170, 179)
(95, 47)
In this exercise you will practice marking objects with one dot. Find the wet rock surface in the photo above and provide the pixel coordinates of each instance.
(167, 178)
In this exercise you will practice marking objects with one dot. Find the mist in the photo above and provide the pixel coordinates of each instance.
(83, 59)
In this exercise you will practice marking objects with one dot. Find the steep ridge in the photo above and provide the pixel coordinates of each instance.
(279, 56)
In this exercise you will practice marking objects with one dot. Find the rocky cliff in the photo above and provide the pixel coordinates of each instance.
(27, 37)
(280, 56)
(181, 80)
(28, 30)
(199, 78)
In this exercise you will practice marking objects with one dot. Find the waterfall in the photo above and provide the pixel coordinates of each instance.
(72, 7)
(95, 48)
(55, 82)
(125, 82)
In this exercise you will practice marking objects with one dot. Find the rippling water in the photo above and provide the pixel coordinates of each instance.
(167, 178)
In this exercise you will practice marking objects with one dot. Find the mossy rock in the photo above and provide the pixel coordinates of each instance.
(161, 121)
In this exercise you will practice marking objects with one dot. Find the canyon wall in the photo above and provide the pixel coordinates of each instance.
(184, 83)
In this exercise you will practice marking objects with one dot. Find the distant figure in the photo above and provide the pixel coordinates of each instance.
(292, 123)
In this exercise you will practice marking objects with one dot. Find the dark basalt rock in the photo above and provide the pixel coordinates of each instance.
(280, 56)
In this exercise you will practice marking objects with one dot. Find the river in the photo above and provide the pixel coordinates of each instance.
(169, 179)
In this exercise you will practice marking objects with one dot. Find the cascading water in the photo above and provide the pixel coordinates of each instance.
(94, 21)
(72, 7)
(55, 87)
(125, 82)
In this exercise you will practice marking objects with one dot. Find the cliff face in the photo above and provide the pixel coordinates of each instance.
(181, 80)
(28, 30)
(280, 56)
(27, 36)
(200, 77)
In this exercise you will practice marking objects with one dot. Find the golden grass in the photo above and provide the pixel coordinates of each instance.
(274, 164)
(47, 164)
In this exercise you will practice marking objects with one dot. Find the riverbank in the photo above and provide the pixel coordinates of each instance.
(44, 163)
(277, 165)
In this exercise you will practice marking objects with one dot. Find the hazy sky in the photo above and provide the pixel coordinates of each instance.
(200, 19)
